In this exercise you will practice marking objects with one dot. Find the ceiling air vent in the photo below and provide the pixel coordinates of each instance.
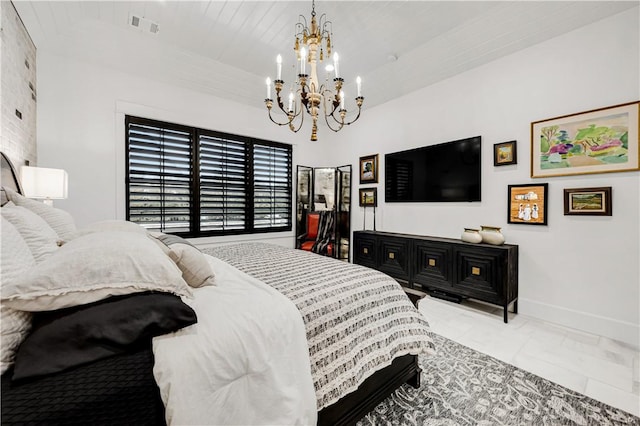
(143, 24)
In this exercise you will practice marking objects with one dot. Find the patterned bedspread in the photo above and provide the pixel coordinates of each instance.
(357, 319)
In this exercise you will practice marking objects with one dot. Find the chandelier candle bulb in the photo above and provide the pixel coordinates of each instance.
(279, 67)
(290, 101)
(335, 63)
(359, 86)
(341, 99)
(268, 88)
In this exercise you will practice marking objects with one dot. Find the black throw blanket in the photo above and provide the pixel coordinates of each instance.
(325, 232)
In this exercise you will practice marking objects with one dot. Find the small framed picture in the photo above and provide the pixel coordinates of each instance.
(505, 153)
(588, 201)
(368, 197)
(369, 169)
(528, 204)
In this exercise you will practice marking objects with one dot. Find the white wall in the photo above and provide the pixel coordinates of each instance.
(578, 271)
(582, 272)
(81, 129)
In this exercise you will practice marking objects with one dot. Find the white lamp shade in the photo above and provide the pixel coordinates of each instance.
(40, 182)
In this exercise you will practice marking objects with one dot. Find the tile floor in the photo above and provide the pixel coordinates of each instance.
(601, 368)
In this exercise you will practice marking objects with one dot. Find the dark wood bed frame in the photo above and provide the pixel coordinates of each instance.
(350, 408)
(8, 177)
(354, 406)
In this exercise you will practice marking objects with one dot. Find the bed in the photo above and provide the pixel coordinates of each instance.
(281, 337)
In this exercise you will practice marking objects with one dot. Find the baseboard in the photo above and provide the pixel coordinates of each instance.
(622, 331)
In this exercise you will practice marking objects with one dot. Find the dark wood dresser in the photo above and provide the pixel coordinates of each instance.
(443, 267)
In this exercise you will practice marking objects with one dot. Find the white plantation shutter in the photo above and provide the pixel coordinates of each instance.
(271, 186)
(198, 182)
(223, 184)
(159, 177)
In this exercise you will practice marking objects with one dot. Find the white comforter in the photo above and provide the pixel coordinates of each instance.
(245, 362)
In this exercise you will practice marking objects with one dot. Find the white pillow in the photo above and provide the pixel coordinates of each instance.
(15, 260)
(115, 225)
(107, 225)
(15, 257)
(196, 271)
(61, 221)
(93, 267)
(41, 239)
(15, 328)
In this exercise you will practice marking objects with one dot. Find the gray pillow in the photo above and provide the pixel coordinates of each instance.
(196, 270)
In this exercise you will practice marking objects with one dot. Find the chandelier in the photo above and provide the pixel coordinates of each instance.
(306, 95)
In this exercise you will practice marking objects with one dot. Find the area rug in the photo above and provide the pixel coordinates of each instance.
(461, 386)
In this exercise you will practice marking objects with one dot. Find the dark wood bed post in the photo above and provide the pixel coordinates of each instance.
(9, 174)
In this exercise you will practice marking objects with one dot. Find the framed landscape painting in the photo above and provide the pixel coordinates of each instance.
(588, 201)
(368, 197)
(598, 141)
(528, 204)
(505, 153)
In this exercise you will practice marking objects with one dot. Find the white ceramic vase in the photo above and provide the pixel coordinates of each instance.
(491, 235)
(471, 235)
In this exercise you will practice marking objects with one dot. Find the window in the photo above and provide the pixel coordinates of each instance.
(196, 182)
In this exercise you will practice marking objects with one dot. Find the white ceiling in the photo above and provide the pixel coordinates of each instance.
(228, 48)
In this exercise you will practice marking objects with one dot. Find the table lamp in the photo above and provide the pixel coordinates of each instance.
(44, 183)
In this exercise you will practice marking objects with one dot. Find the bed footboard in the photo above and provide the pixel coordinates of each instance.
(352, 407)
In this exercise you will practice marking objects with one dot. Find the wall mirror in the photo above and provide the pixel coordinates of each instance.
(323, 210)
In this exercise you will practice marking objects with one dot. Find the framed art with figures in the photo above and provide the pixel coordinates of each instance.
(528, 204)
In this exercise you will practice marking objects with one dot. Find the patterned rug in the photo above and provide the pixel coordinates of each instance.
(461, 386)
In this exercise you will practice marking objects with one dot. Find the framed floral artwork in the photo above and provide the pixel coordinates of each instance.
(602, 140)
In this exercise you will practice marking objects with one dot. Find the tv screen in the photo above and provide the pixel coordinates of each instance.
(444, 172)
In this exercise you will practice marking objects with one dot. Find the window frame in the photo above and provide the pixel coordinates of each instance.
(195, 179)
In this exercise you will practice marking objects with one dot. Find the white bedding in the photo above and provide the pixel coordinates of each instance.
(246, 361)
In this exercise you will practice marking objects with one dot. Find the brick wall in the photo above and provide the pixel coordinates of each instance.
(18, 90)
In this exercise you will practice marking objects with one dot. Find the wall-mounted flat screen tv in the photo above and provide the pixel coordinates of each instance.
(444, 172)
